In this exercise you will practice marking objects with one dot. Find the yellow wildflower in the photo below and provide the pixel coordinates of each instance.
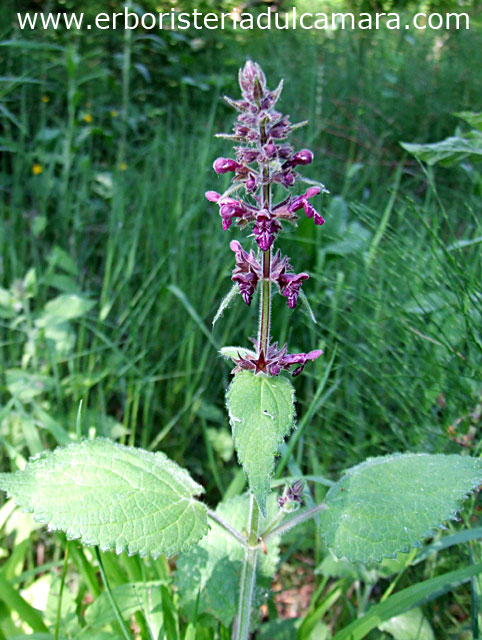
(122, 166)
(88, 118)
(45, 99)
(37, 169)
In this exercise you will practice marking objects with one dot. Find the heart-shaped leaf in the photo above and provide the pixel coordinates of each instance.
(113, 496)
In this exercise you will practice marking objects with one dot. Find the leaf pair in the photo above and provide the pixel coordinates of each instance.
(128, 499)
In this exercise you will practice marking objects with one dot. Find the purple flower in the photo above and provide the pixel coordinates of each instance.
(247, 283)
(247, 271)
(286, 178)
(212, 196)
(245, 155)
(293, 493)
(301, 359)
(230, 208)
(274, 360)
(281, 129)
(265, 230)
(305, 156)
(302, 201)
(252, 81)
(251, 183)
(290, 284)
(262, 159)
(270, 150)
(223, 165)
(244, 132)
(279, 265)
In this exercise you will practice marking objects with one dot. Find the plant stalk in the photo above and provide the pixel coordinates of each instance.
(115, 607)
(265, 305)
(248, 575)
(293, 522)
(214, 516)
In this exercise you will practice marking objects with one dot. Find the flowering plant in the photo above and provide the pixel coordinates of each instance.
(129, 499)
(260, 133)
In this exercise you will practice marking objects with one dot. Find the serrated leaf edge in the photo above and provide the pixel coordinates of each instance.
(373, 461)
(233, 419)
(197, 489)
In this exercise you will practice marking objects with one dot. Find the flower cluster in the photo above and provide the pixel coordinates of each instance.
(274, 360)
(248, 272)
(293, 494)
(263, 159)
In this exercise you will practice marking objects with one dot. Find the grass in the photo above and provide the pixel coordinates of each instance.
(118, 214)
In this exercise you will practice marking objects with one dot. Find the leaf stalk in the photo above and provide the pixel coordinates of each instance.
(222, 523)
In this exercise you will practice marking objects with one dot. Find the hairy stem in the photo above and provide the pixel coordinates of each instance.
(214, 516)
(248, 575)
(293, 522)
(265, 306)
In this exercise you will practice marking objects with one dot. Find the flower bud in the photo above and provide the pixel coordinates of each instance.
(250, 183)
(223, 165)
(212, 196)
(270, 150)
(303, 157)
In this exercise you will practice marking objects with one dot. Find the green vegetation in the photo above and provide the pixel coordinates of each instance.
(113, 265)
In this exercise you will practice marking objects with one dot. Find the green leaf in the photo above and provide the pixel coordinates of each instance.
(473, 118)
(411, 625)
(113, 496)
(236, 352)
(222, 442)
(213, 567)
(7, 304)
(406, 599)
(261, 411)
(60, 258)
(64, 307)
(130, 597)
(448, 151)
(389, 504)
(355, 238)
(14, 601)
(25, 386)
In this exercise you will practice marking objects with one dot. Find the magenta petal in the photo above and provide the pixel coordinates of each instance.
(296, 204)
(223, 165)
(312, 191)
(317, 219)
(227, 222)
(235, 246)
(212, 196)
(312, 355)
(304, 156)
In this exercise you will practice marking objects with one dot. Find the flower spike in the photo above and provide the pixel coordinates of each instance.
(262, 158)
